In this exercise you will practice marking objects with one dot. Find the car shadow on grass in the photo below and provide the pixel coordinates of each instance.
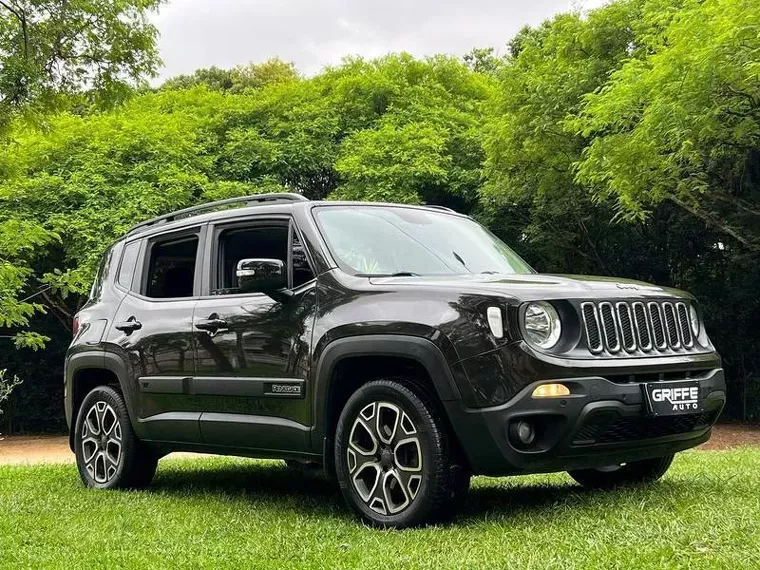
(271, 485)
(537, 500)
(294, 490)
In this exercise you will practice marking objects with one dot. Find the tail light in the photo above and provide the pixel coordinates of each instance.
(75, 326)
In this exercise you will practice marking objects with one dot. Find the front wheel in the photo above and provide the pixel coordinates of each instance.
(393, 456)
(645, 471)
(108, 453)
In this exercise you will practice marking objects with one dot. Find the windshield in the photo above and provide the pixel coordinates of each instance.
(386, 240)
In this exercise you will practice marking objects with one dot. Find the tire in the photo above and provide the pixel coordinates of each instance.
(645, 471)
(108, 453)
(393, 457)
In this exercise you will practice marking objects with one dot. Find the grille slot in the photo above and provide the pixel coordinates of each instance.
(658, 330)
(683, 321)
(591, 324)
(671, 325)
(636, 326)
(642, 327)
(609, 327)
(626, 326)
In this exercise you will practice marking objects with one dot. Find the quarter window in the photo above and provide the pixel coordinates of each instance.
(127, 267)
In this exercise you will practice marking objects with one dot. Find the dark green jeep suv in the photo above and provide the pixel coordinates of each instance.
(401, 348)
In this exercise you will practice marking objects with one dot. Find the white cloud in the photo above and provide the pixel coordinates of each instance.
(315, 33)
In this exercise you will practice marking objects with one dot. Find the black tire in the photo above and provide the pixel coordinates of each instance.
(412, 474)
(636, 472)
(102, 427)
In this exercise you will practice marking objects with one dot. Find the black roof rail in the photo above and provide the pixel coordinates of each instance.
(195, 210)
(437, 207)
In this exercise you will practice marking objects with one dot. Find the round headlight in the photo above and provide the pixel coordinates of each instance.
(542, 324)
(694, 319)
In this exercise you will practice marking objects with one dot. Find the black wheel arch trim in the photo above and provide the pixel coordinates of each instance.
(95, 360)
(419, 349)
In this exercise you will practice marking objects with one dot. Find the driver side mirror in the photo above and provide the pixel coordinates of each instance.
(261, 275)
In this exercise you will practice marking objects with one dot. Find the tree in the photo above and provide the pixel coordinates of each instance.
(237, 79)
(50, 49)
(682, 122)
(530, 194)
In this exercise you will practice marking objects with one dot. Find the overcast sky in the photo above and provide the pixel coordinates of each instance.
(315, 33)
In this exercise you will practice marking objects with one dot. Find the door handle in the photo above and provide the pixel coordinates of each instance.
(128, 326)
(212, 324)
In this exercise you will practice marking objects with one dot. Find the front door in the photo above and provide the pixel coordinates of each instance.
(252, 350)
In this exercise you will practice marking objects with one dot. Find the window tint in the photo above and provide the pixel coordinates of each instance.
(261, 242)
(172, 268)
(127, 267)
(302, 272)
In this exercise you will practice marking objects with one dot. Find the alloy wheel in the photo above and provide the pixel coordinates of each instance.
(101, 442)
(384, 458)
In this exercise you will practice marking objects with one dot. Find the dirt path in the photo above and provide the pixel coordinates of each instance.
(55, 449)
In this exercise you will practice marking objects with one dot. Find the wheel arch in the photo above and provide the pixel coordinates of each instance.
(387, 355)
(86, 371)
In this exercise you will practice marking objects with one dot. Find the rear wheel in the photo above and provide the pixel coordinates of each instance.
(393, 457)
(108, 453)
(645, 471)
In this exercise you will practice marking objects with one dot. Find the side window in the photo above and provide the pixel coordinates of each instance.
(302, 272)
(259, 242)
(127, 267)
(171, 269)
(100, 276)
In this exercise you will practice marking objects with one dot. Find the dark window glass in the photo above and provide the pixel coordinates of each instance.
(172, 268)
(302, 272)
(264, 242)
(127, 267)
(100, 276)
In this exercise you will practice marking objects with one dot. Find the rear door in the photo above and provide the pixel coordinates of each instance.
(252, 350)
(153, 326)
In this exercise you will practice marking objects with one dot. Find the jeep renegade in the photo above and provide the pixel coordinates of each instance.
(401, 348)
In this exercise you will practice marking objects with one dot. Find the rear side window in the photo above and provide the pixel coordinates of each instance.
(127, 267)
(171, 269)
(100, 276)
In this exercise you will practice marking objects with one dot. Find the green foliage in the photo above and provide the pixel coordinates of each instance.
(238, 79)
(682, 121)
(51, 49)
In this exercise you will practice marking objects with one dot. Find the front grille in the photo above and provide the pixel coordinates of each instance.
(610, 427)
(627, 327)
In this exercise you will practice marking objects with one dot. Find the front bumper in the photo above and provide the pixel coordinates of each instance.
(600, 423)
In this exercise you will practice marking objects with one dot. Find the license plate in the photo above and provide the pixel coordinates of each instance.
(673, 398)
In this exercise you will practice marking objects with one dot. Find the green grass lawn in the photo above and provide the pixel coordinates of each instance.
(234, 513)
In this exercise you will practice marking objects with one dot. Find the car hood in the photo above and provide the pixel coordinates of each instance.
(536, 286)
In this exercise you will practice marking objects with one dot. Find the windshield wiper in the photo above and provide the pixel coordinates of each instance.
(489, 272)
(397, 274)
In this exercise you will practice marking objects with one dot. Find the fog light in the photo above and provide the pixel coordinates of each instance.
(551, 391)
(523, 433)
